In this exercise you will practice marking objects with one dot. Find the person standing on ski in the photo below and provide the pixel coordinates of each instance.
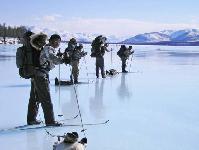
(99, 47)
(48, 60)
(124, 54)
(76, 55)
(72, 44)
(33, 104)
(37, 42)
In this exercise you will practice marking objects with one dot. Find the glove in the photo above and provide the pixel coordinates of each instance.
(106, 44)
(85, 53)
(132, 52)
(59, 54)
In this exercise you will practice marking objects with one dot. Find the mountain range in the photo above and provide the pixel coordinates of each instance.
(161, 37)
(166, 36)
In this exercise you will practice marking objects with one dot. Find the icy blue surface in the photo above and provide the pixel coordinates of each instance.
(155, 107)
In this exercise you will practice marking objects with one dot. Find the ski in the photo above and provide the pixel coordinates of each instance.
(70, 84)
(26, 126)
(130, 72)
(88, 82)
(69, 118)
(42, 126)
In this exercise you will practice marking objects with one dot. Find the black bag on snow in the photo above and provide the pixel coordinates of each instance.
(111, 72)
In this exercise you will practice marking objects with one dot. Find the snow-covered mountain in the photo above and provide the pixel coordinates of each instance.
(81, 37)
(148, 37)
(187, 35)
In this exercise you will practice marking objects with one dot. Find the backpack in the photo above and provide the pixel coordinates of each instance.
(96, 45)
(121, 51)
(24, 62)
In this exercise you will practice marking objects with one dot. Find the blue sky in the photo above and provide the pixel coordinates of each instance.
(115, 17)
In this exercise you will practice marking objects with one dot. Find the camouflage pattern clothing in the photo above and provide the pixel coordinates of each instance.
(75, 70)
(124, 54)
(76, 55)
(100, 61)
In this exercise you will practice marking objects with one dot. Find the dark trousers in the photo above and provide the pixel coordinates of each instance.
(40, 93)
(100, 65)
(33, 105)
(123, 63)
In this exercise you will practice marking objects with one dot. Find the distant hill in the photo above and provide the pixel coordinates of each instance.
(166, 37)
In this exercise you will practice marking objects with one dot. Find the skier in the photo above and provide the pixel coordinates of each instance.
(72, 44)
(35, 44)
(99, 47)
(124, 54)
(76, 55)
(48, 60)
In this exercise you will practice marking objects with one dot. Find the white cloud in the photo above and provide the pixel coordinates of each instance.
(119, 27)
(47, 18)
(194, 19)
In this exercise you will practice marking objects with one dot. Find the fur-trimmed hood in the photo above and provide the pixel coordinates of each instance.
(35, 38)
(70, 142)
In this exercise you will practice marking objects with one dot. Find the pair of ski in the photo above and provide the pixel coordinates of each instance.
(68, 83)
(43, 126)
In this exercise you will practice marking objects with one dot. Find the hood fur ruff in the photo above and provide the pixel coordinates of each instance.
(34, 38)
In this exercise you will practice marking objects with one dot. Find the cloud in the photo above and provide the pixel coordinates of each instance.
(194, 19)
(48, 18)
(118, 27)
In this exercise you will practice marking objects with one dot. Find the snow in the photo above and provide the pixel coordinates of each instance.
(179, 33)
(153, 108)
(186, 35)
(167, 32)
(148, 37)
(9, 40)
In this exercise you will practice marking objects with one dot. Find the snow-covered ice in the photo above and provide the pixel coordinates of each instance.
(155, 107)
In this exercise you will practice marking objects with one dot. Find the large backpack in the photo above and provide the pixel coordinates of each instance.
(96, 46)
(24, 61)
(121, 51)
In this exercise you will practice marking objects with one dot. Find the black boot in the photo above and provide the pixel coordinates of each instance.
(56, 81)
(76, 81)
(123, 68)
(124, 71)
(35, 122)
(55, 123)
(103, 74)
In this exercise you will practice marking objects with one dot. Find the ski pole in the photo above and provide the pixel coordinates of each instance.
(60, 115)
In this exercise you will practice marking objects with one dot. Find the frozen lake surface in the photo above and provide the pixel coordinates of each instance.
(155, 107)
